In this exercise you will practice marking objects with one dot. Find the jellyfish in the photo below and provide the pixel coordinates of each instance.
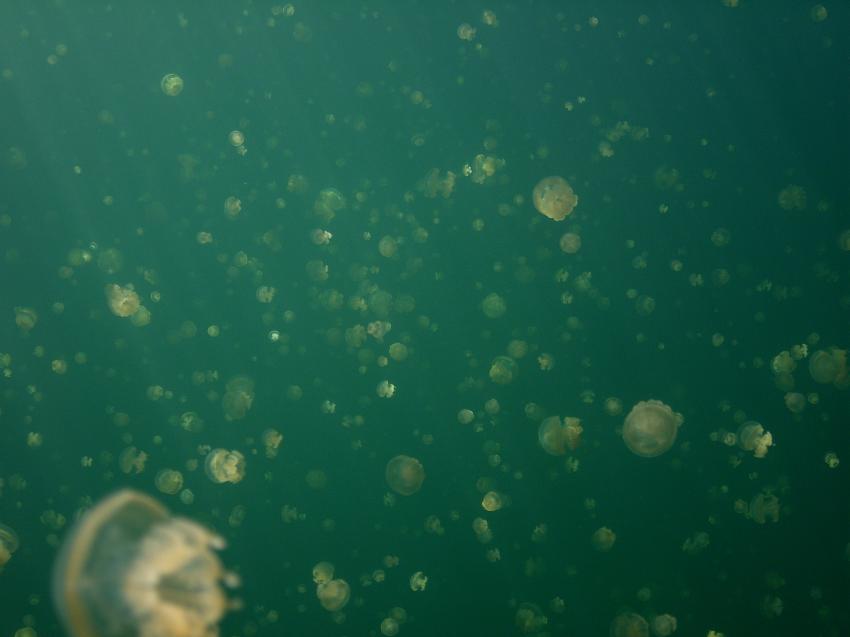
(503, 370)
(556, 436)
(222, 465)
(603, 539)
(130, 568)
(493, 306)
(753, 437)
(405, 475)
(389, 627)
(122, 302)
(333, 595)
(8, 544)
(238, 397)
(663, 625)
(323, 572)
(629, 625)
(418, 581)
(829, 367)
(554, 198)
(650, 428)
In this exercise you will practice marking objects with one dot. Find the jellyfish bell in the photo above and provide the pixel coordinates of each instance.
(650, 428)
(554, 198)
(333, 595)
(556, 436)
(129, 568)
(8, 544)
(405, 475)
(629, 625)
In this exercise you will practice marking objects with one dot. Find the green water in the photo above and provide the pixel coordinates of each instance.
(708, 149)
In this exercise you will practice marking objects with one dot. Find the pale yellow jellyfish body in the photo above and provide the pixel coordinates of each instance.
(333, 595)
(122, 302)
(222, 465)
(8, 543)
(323, 572)
(493, 306)
(389, 627)
(603, 539)
(171, 84)
(405, 475)
(556, 436)
(418, 581)
(129, 568)
(753, 437)
(629, 625)
(169, 481)
(238, 397)
(554, 198)
(650, 428)
(503, 370)
(829, 367)
(663, 625)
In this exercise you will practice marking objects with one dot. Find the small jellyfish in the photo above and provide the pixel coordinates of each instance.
(333, 595)
(829, 367)
(603, 539)
(663, 625)
(168, 481)
(122, 302)
(8, 544)
(222, 466)
(753, 437)
(405, 475)
(503, 370)
(493, 306)
(650, 428)
(493, 501)
(554, 198)
(418, 581)
(570, 243)
(629, 625)
(171, 84)
(25, 318)
(389, 627)
(130, 568)
(323, 572)
(238, 397)
(556, 436)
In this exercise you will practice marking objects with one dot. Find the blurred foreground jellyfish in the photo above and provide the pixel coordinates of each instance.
(129, 568)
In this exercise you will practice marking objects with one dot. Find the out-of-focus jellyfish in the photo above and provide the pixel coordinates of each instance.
(168, 481)
(764, 507)
(418, 581)
(795, 402)
(650, 428)
(405, 475)
(25, 318)
(529, 618)
(663, 625)
(570, 243)
(629, 625)
(323, 572)
(333, 595)
(222, 465)
(132, 460)
(493, 306)
(238, 397)
(122, 302)
(829, 367)
(554, 198)
(272, 440)
(389, 627)
(130, 568)
(603, 539)
(493, 501)
(8, 544)
(171, 84)
(503, 370)
(556, 436)
(753, 437)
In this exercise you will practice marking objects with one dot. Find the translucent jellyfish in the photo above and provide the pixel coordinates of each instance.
(169, 481)
(629, 625)
(829, 367)
(405, 475)
(493, 306)
(272, 440)
(753, 437)
(222, 466)
(171, 84)
(389, 627)
(493, 501)
(465, 416)
(8, 544)
(603, 539)
(764, 507)
(130, 568)
(122, 302)
(323, 572)
(238, 397)
(570, 243)
(25, 318)
(795, 402)
(503, 370)
(333, 595)
(554, 198)
(530, 619)
(418, 581)
(556, 436)
(650, 428)
(663, 625)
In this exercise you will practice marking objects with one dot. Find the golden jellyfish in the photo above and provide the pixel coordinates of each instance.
(25, 318)
(650, 428)
(530, 619)
(389, 627)
(405, 475)
(603, 539)
(418, 581)
(752, 436)
(129, 568)
(333, 595)
(222, 466)
(554, 198)
(663, 625)
(122, 302)
(629, 625)
(493, 306)
(171, 84)
(272, 440)
(570, 243)
(8, 544)
(169, 481)
(238, 397)
(829, 367)
(556, 436)
(493, 501)
(795, 402)
(503, 370)
(323, 572)
(764, 507)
